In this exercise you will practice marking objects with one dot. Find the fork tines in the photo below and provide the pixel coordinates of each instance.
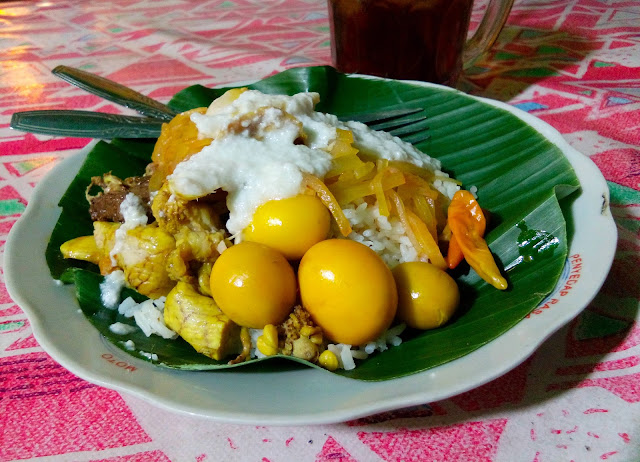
(407, 124)
(379, 116)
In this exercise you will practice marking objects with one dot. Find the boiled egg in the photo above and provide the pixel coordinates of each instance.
(291, 226)
(253, 284)
(348, 290)
(427, 295)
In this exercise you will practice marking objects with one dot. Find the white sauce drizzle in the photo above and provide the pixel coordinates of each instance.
(134, 215)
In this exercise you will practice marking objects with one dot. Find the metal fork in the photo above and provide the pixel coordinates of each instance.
(407, 124)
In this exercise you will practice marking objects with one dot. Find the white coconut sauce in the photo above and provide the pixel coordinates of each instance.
(111, 287)
(134, 215)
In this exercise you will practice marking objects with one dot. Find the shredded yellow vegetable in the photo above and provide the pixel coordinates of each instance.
(328, 199)
(399, 188)
(425, 210)
(342, 145)
(349, 164)
(346, 194)
(426, 240)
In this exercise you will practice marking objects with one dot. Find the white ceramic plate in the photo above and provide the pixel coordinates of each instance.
(304, 396)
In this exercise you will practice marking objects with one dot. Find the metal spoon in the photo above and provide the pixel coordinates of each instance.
(114, 92)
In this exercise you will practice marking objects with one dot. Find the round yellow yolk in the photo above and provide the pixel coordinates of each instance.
(427, 296)
(253, 284)
(291, 226)
(348, 290)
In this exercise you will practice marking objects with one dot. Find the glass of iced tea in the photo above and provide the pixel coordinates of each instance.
(411, 39)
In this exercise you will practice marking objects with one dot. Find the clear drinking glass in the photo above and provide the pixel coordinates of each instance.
(411, 39)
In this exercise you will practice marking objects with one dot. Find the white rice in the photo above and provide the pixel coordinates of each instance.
(120, 328)
(385, 236)
(446, 187)
(255, 353)
(389, 337)
(151, 356)
(343, 353)
(149, 316)
(221, 247)
(128, 307)
(129, 345)
(346, 353)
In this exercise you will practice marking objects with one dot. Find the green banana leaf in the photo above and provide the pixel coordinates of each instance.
(520, 176)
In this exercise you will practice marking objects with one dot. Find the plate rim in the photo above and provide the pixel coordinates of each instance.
(581, 164)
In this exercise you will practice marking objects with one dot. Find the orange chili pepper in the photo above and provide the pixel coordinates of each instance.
(454, 253)
(467, 224)
(474, 218)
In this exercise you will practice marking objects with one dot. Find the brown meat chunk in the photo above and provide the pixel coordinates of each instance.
(105, 204)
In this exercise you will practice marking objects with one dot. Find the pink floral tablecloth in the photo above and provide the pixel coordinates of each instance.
(573, 63)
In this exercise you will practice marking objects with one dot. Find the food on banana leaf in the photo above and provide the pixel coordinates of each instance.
(273, 229)
(197, 319)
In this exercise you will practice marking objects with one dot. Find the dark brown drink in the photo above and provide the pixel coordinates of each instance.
(400, 39)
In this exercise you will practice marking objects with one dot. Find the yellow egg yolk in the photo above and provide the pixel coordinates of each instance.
(348, 290)
(427, 296)
(291, 226)
(254, 285)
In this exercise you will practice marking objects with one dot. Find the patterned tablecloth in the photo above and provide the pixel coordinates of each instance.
(573, 63)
